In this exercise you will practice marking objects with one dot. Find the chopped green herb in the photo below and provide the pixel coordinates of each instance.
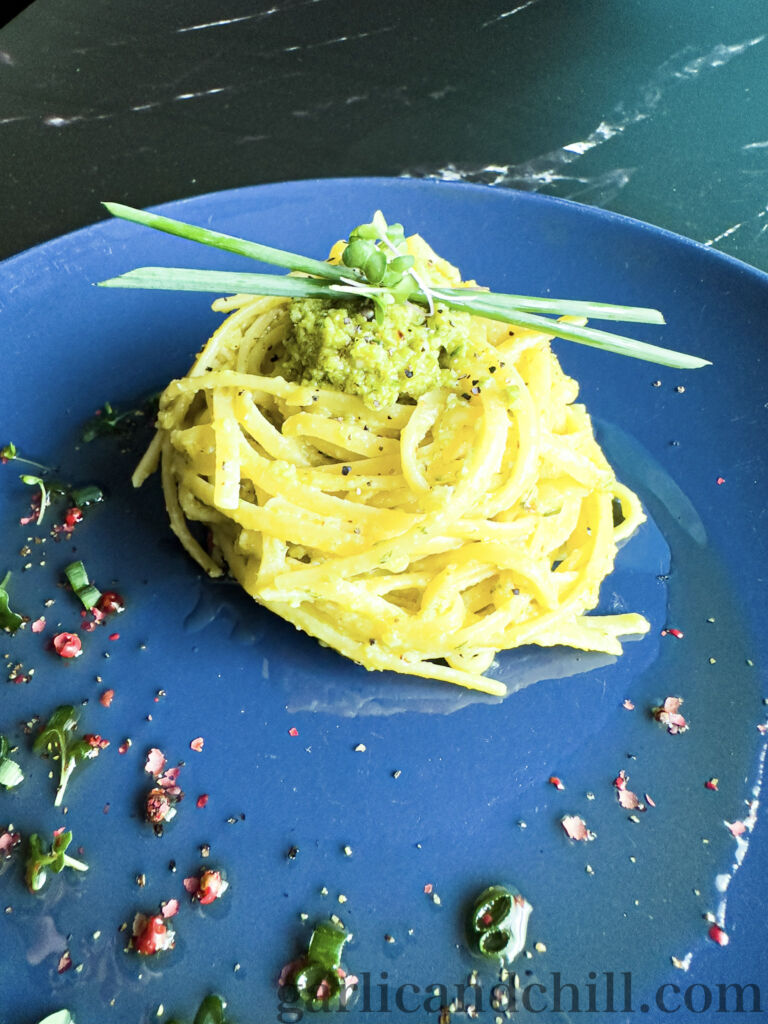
(8, 620)
(78, 580)
(10, 773)
(59, 740)
(40, 861)
(37, 481)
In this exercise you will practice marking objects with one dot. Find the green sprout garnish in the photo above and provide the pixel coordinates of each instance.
(375, 268)
(8, 620)
(109, 421)
(78, 580)
(37, 481)
(10, 773)
(58, 739)
(40, 861)
(10, 453)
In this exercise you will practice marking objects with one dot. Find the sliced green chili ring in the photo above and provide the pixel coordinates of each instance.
(88, 495)
(211, 1011)
(313, 978)
(326, 944)
(497, 923)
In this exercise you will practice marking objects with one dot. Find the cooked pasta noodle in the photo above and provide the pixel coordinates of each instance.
(422, 537)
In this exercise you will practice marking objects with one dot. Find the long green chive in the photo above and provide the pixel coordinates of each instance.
(78, 580)
(370, 274)
(220, 282)
(230, 243)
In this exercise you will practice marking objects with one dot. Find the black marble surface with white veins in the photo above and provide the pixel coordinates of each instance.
(651, 109)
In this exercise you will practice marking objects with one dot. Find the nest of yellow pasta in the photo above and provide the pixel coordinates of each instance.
(422, 537)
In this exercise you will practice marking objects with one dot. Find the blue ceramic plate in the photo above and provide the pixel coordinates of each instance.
(437, 792)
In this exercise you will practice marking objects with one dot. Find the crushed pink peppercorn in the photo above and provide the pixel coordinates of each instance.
(151, 935)
(67, 645)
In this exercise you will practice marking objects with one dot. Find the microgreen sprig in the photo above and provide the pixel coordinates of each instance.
(10, 453)
(45, 500)
(8, 620)
(40, 861)
(376, 268)
(109, 420)
(58, 739)
(10, 773)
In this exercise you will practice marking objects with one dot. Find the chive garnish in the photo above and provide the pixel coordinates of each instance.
(78, 580)
(377, 268)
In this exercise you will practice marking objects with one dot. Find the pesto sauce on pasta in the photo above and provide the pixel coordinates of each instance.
(405, 355)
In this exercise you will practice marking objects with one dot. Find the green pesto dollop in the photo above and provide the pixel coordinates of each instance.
(406, 354)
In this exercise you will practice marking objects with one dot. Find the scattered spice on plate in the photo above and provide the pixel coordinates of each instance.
(151, 934)
(169, 908)
(711, 783)
(65, 962)
(669, 714)
(155, 762)
(207, 887)
(9, 840)
(628, 705)
(576, 828)
(67, 645)
(718, 935)
(555, 781)
(197, 744)
(736, 828)
(629, 800)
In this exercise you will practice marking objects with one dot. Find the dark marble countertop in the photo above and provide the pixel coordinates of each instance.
(654, 110)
